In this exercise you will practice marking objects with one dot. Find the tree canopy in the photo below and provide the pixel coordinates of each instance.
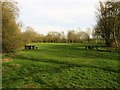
(10, 29)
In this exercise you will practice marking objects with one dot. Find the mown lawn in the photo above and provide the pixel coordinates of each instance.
(60, 65)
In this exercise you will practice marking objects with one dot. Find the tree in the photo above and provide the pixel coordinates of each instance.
(30, 35)
(84, 36)
(108, 22)
(11, 35)
(71, 36)
(77, 36)
(0, 27)
(63, 37)
(96, 37)
(115, 24)
(54, 36)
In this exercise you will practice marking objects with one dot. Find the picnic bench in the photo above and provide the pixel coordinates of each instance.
(91, 47)
(30, 47)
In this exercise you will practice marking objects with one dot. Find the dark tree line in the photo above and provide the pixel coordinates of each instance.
(55, 37)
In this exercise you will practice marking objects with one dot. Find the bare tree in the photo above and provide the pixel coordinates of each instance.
(108, 22)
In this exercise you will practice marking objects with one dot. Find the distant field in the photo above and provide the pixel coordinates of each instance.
(60, 65)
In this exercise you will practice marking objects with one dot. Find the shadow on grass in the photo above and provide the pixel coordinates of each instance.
(68, 64)
(76, 51)
(80, 51)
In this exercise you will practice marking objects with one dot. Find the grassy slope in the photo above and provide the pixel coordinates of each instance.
(61, 65)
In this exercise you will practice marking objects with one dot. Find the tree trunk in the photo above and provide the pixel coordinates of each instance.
(115, 40)
(108, 42)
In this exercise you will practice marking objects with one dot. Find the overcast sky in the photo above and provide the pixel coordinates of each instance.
(58, 15)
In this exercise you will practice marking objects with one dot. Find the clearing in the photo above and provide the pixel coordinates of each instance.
(60, 65)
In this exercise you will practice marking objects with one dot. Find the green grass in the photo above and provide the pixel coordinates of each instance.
(60, 65)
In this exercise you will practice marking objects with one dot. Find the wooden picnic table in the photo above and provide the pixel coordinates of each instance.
(30, 47)
(92, 47)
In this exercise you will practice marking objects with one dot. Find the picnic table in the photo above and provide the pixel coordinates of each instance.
(30, 47)
(92, 47)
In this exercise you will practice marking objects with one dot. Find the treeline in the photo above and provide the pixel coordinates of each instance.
(72, 36)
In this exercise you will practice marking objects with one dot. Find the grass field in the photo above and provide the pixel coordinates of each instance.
(61, 65)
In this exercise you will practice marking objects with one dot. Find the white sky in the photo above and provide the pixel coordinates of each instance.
(58, 15)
